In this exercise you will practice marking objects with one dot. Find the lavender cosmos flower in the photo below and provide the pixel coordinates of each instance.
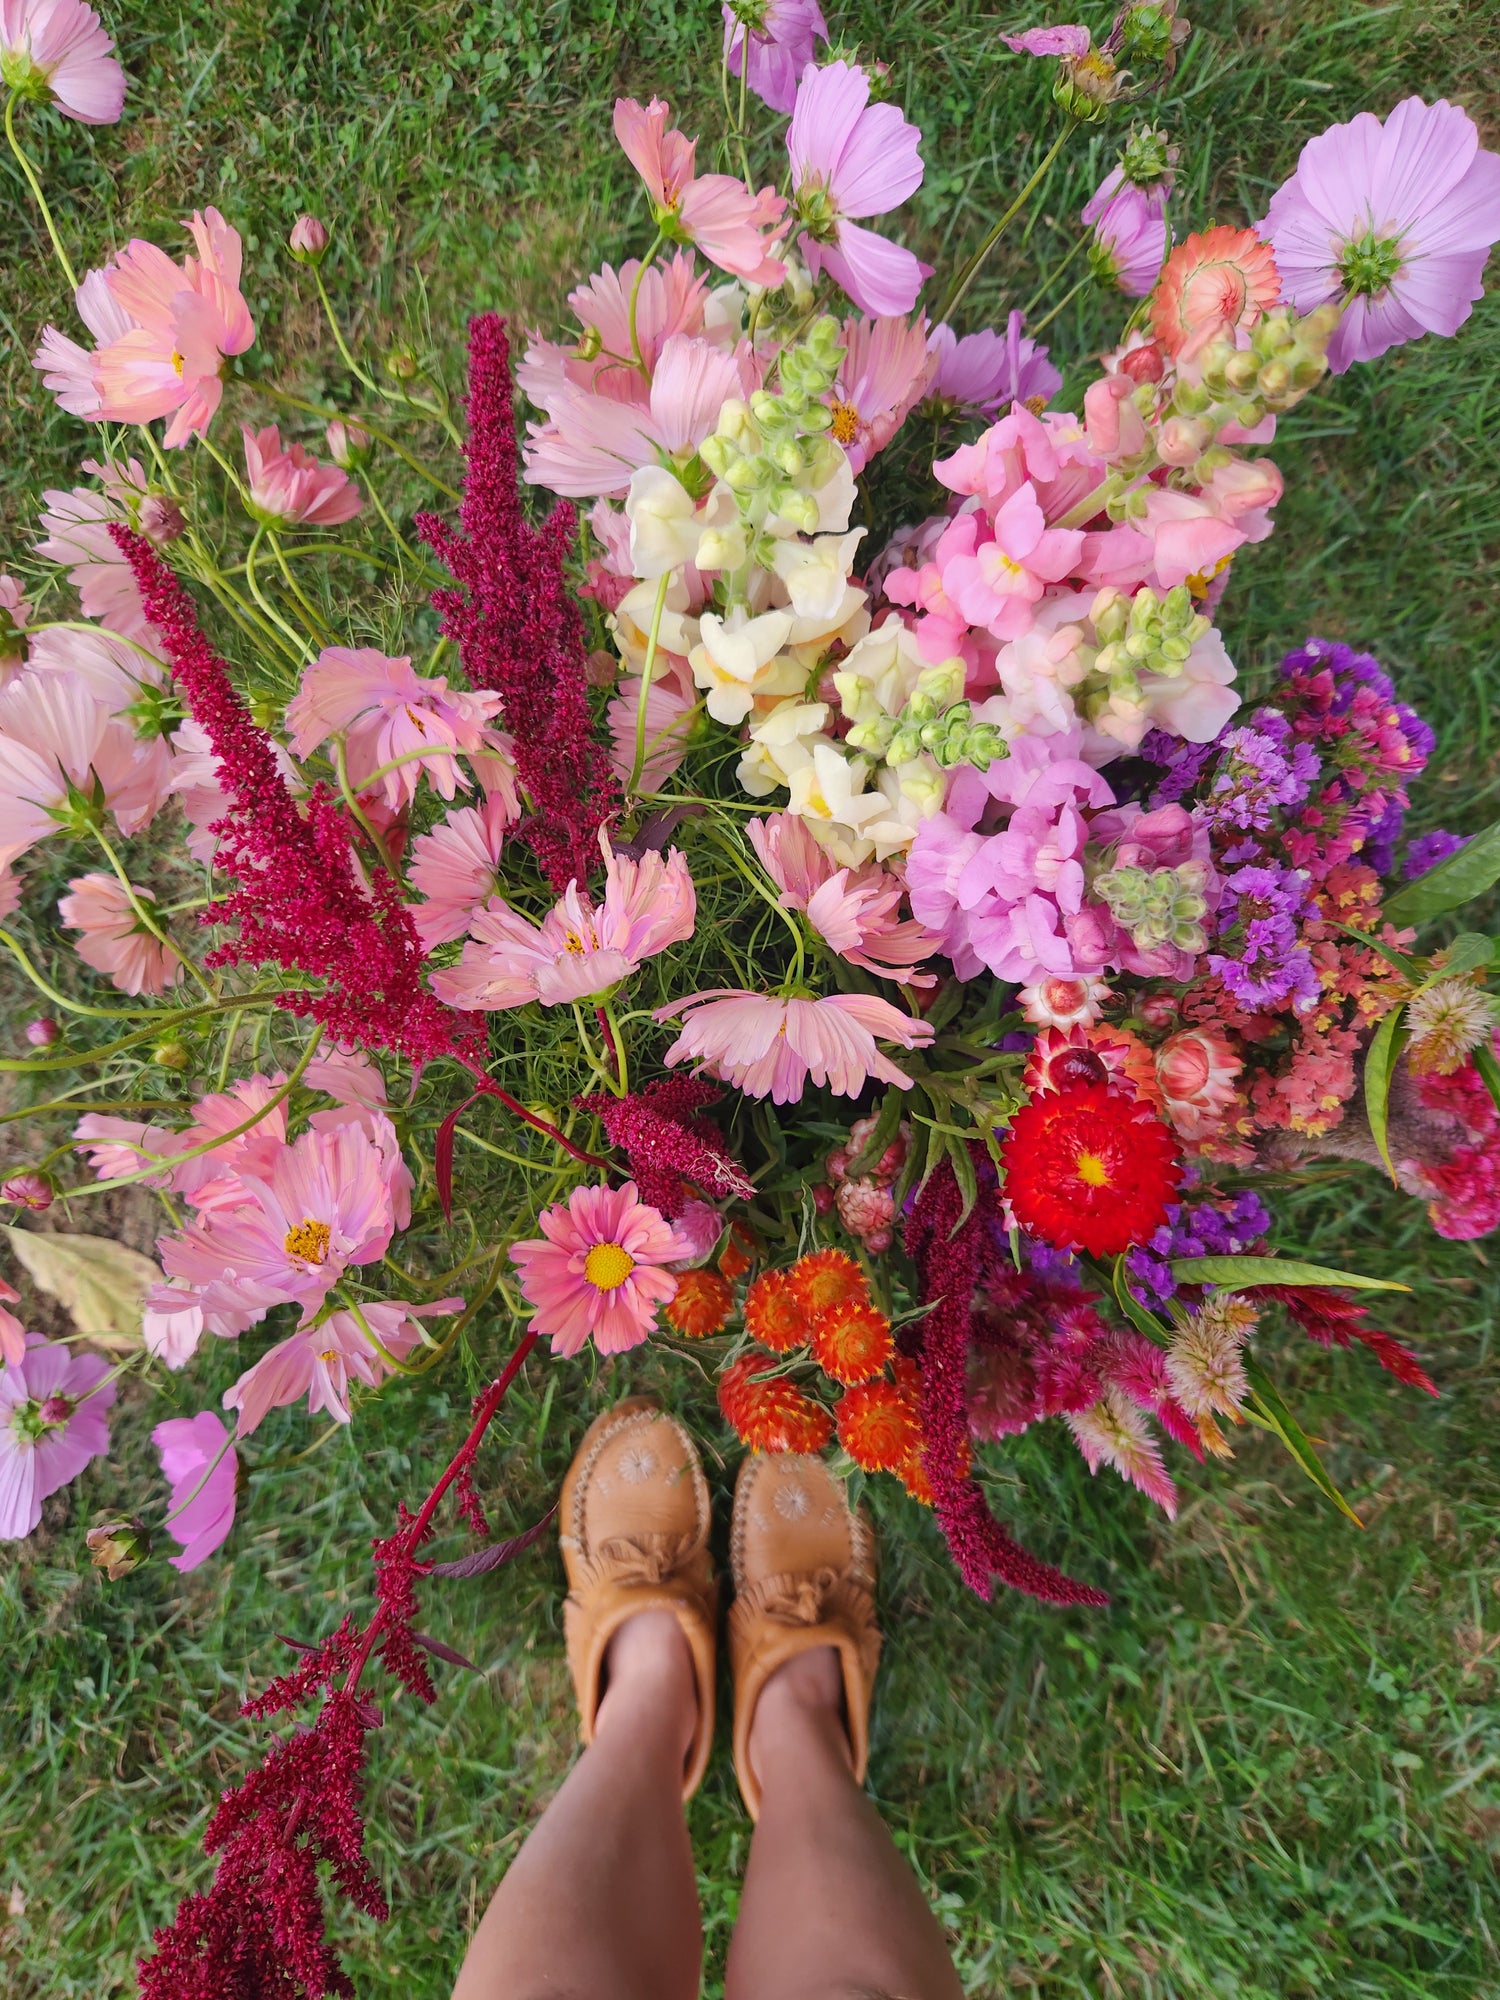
(853, 158)
(1258, 918)
(52, 1423)
(988, 371)
(1396, 220)
(1130, 233)
(782, 38)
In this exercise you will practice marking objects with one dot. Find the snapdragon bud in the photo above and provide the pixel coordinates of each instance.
(800, 509)
(308, 241)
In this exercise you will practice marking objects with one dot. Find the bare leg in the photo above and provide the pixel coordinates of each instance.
(601, 1903)
(830, 1911)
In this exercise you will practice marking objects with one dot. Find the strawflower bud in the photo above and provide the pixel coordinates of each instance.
(401, 364)
(308, 240)
(43, 1032)
(118, 1547)
(31, 1190)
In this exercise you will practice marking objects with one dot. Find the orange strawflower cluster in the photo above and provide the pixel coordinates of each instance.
(701, 1305)
(768, 1412)
(880, 1427)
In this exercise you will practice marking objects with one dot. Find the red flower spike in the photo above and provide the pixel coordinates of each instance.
(1333, 1321)
(1088, 1169)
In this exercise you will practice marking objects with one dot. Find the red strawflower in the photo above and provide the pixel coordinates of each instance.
(878, 1427)
(774, 1314)
(851, 1342)
(517, 624)
(702, 1303)
(828, 1278)
(739, 1253)
(1088, 1169)
(771, 1414)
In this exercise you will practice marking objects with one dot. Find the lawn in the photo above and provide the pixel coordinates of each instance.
(1270, 1767)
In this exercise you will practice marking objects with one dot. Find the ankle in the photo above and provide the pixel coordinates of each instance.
(649, 1684)
(802, 1704)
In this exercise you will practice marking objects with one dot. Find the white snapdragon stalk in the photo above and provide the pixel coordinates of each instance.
(739, 657)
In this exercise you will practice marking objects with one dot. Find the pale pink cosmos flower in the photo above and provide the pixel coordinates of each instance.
(164, 330)
(214, 1180)
(174, 1320)
(326, 1204)
(781, 37)
(77, 524)
(56, 740)
(769, 1047)
(598, 1270)
(577, 949)
(884, 374)
(456, 867)
(850, 159)
(114, 941)
(348, 1076)
(12, 1333)
(384, 711)
(1395, 220)
(670, 297)
(670, 713)
(57, 50)
(1066, 39)
(855, 910)
(52, 1422)
(117, 672)
(118, 1146)
(988, 371)
(319, 1362)
(290, 488)
(199, 1465)
(732, 227)
(15, 613)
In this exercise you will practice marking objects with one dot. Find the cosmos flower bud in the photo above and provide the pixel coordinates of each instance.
(43, 1032)
(308, 240)
(401, 364)
(348, 444)
(160, 520)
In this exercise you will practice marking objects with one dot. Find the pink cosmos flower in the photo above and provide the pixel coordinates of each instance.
(851, 158)
(120, 1145)
(457, 868)
(56, 50)
(195, 784)
(577, 949)
(781, 37)
(598, 1270)
(769, 1047)
(1393, 219)
(385, 712)
(115, 941)
(732, 227)
(325, 1204)
(320, 1361)
(347, 1076)
(1130, 233)
(994, 582)
(988, 371)
(12, 1333)
(1067, 40)
(174, 1319)
(79, 535)
(884, 374)
(164, 331)
(214, 1180)
(852, 909)
(289, 488)
(670, 711)
(52, 1422)
(117, 672)
(59, 751)
(199, 1465)
(670, 297)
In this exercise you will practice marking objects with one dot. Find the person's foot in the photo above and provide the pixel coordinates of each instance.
(634, 1520)
(806, 1689)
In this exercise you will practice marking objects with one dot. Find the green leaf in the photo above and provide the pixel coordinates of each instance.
(1456, 881)
(1266, 1404)
(885, 1131)
(1235, 1273)
(1489, 1070)
(1409, 967)
(968, 1180)
(1468, 951)
(1381, 1058)
(99, 1283)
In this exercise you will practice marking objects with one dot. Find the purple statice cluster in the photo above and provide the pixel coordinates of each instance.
(1428, 849)
(1264, 961)
(1260, 771)
(1211, 1227)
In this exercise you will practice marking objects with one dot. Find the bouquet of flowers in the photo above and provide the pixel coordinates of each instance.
(830, 908)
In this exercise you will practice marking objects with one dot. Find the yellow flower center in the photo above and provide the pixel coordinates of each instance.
(1092, 1171)
(575, 947)
(308, 1241)
(607, 1266)
(845, 425)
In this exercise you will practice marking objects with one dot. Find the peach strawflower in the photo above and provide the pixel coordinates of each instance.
(878, 1427)
(828, 1278)
(774, 1314)
(852, 1343)
(1063, 1003)
(770, 1413)
(703, 1303)
(1197, 1069)
(1213, 283)
(115, 941)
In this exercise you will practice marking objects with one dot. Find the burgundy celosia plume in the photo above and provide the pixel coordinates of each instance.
(300, 903)
(950, 1259)
(667, 1143)
(517, 625)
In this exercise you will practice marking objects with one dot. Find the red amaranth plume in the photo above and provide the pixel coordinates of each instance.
(300, 903)
(517, 624)
(950, 1258)
(259, 1932)
(1333, 1321)
(666, 1143)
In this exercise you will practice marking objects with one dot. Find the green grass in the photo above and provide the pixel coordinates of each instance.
(1270, 1768)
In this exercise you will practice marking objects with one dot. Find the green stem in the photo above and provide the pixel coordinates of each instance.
(77, 1006)
(970, 270)
(315, 623)
(304, 645)
(33, 182)
(1052, 277)
(396, 1366)
(357, 811)
(338, 335)
(635, 292)
(647, 668)
(79, 1059)
(380, 436)
(1065, 301)
(616, 1041)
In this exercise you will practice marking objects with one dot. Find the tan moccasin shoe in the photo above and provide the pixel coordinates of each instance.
(804, 1573)
(635, 1518)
